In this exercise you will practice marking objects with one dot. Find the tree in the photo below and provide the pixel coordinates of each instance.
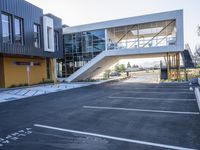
(197, 49)
(107, 74)
(135, 66)
(120, 68)
(116, 69)
(197, 55)
(128, 65)
(198, 30)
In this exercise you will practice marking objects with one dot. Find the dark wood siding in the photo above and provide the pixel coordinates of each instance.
(30, 14)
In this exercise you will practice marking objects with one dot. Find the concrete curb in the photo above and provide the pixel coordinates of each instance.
(113, 80)
(23, 87)
(197, 94)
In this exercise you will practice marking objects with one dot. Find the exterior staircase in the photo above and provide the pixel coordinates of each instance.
(188, 58)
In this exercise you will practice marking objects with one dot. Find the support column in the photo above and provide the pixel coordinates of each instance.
(168, 67)
(106, 39)
(178, 67)
(53, 70)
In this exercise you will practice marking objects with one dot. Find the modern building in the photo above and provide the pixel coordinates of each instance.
(92, 48)
(29, 43)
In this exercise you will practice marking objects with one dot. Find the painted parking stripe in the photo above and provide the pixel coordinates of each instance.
(142, 110)
(114, 138)
(159, 92)
(145, 98)
(150, 88)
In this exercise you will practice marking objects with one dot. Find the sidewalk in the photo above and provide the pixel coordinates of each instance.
(11, 94)
(23, 92)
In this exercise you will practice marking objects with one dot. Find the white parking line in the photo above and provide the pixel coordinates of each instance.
(115, 138)
(145, 98)
(157, 92)
(143, 110)
(132, 89)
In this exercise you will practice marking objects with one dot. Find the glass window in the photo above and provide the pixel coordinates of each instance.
(99, 46)
(56, 40)
(87, 42)
(68, 43)
(19, 31)
(48, 37)
(6, 28)
(83, 46)
(37, 42)
(68, 39)
(98, 35)
(153, 34)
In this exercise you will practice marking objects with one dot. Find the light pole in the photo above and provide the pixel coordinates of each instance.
(28, 74)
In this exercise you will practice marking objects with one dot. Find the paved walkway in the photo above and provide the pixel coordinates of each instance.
(15, 94)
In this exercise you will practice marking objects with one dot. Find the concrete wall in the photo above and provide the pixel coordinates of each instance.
(48, 28)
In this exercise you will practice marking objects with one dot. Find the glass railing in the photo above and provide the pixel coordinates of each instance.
(143, 43)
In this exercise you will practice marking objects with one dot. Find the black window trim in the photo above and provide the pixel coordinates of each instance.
(39, 32)
(22, 29)
(56, 41)
(10, 26)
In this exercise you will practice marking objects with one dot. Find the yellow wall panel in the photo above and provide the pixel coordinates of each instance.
(17, 74)
(2, 83)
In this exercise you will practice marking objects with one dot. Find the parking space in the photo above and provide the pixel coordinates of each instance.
(111, 116)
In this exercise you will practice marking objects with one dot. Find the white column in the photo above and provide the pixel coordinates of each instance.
(106, 39)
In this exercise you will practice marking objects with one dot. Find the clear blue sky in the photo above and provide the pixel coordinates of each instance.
(76, 12)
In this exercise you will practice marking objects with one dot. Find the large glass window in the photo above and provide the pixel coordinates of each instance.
(37, 41)
(82, 47)
(98, 40)
(82, 42)
(162, 33)
(87, 42)
(19, 31)
(6, 28)
(68, 43)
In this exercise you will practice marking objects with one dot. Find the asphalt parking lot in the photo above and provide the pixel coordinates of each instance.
(112, 116)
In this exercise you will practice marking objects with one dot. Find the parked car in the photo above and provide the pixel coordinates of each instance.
(114, 74)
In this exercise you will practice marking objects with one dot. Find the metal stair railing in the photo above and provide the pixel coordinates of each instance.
(190, 52)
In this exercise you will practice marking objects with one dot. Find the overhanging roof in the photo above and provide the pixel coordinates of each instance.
(177, 14)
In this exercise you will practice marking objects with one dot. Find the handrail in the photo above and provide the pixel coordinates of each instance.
(126, 34)
(159, 32)
(187, 46)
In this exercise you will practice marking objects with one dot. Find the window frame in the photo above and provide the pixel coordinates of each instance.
(38, 33)
(10, 29)
(56, 40)
(21, 25)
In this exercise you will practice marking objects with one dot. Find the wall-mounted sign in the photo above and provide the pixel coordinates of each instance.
(26, 63)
